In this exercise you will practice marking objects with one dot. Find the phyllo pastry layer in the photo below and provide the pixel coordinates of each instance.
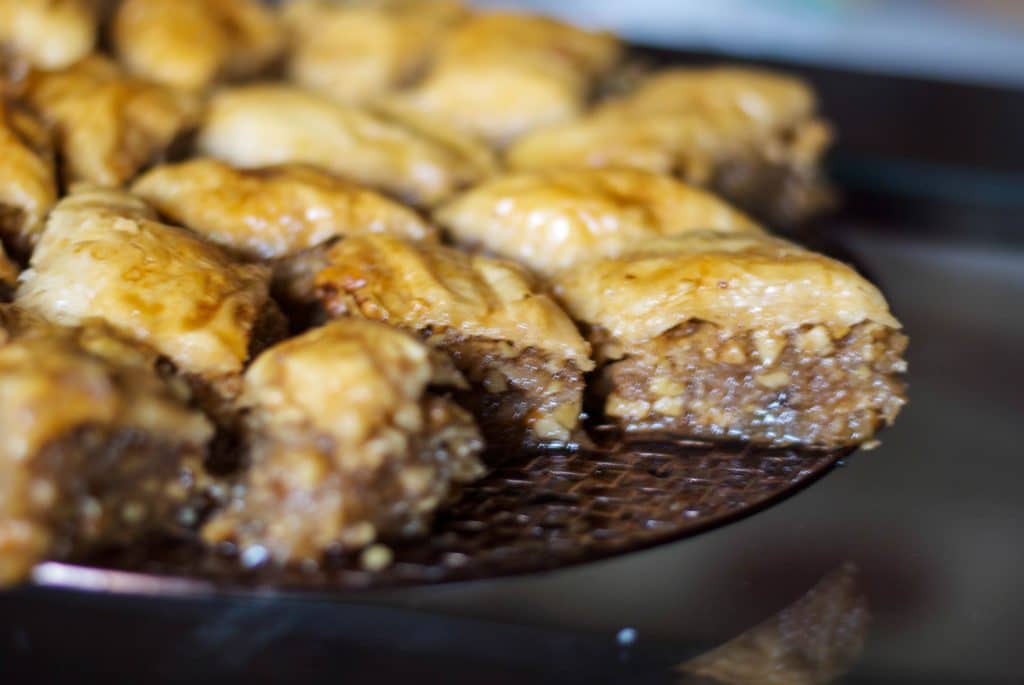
(104, 255)
(97, 448)
(348, 444)
(554, 219)
(744, 337)
(499, 75)
(752, 135)
(354, 52)
(191, 44)
(108, 124)
(272, 212)
(520, 351)
(28, 178)
(263, 125)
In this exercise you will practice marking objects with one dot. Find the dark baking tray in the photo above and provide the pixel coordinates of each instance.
(534, 511)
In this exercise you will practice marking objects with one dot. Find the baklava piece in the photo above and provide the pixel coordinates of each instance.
(28, 183)
(551, 220)
(520, 351)
(108, 124)
(191, 44)
(97, 448)
(263, 125)
(48, 34)
(348, 444)
(104, 255)
(753, 136)
(356, 51)
(272, 212)
(739, 337)
(499, 75)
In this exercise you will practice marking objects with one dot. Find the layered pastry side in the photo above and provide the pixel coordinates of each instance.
(355, 52)
(28, 182)
(550, 220)
(263, 125)
(108, 124)
(104, 255)
(192, 44)
(753, 136)
(523, 356)
(739, 337)
(272, 212)
(499, 75)
(48, 34)
(349, 443)
(97, 450)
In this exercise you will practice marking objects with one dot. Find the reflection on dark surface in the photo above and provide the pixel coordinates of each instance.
(812, 642)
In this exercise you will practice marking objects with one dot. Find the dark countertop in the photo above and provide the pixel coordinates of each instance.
(932, 518)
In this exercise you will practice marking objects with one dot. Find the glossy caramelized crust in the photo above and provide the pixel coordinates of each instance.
(273, 124)
(432, 287)
(97, 448)
(751, 134)
(735, 281)
(108, 124)
(49, 34)
(502, 74)
(356, 51)
(28, 184)
(551, 220)
(348, 443)
(523, 354)
(104, 255)
(192, 43)
(274, 211)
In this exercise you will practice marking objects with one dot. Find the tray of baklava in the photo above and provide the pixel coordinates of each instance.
(345, 294)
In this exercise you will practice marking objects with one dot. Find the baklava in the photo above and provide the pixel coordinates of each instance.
(98, 449)
(349, 444)
(522, 354)
(499, 75)
(108, 124)
(754, 136)
(28, 183)
(356, 51)
(739, 337)
(551, 220)
(191, 44)
(49, 34)
(104, 255)
(272, 212)
(263, 125)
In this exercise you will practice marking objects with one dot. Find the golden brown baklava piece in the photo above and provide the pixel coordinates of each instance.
(522, 354)
(754, 136)
(104, 255)
(28, 184)
(499, 75)
(263, 125)
(108, 124)
(739, 337)
(349, 444)
(191, 44)
(49, 34)
(272, 212)
(551, 220)
(97, 448)
(355, 51)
